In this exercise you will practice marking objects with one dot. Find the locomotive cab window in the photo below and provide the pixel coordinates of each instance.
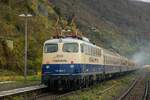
(49, 48)
(70, 47)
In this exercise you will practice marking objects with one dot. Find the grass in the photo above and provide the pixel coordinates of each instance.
(107, 90)
(18, 80)
(6, 75)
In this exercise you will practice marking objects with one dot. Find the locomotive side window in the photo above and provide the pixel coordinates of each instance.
(49, 48)
(70, 47)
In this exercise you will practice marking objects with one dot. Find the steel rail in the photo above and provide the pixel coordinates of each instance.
(128, 90)
(145, 97)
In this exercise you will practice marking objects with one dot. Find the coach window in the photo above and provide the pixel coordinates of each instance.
(49, 48)
(95, 51)
(92, 51)
(82, 48)
(70, 47)
(99, 52)
(86, 49)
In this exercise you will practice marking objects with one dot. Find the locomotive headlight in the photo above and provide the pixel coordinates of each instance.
(47, 66)
(71, 66)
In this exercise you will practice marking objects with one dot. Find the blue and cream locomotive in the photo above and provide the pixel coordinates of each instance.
(75, 62)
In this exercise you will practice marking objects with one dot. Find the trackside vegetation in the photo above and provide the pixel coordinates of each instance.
(107, 90)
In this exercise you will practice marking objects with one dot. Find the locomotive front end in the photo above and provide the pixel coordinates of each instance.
(60, 60)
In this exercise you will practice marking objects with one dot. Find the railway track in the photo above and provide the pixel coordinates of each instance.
(59, 96)
(147, 91)
(138, 90)
(53, 96)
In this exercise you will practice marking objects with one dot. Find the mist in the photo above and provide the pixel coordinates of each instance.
(148, 1)
(142, 57)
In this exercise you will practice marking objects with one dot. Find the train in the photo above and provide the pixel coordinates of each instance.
(73, 62)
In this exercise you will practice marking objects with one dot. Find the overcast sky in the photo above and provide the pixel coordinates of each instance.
(144, 0)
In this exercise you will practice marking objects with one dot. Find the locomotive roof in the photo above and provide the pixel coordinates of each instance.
(68, 40)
